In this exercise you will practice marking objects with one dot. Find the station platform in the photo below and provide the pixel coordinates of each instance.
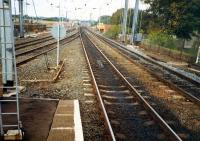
(66, 125)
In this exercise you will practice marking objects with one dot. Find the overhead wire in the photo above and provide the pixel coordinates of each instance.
(35, 10)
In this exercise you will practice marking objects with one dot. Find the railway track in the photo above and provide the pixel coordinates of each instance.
(28, 40)
(128, 116)
(187, 86)
(33, 42)
(40, 39)
(179, 112)
(39, 46)
(30, 54)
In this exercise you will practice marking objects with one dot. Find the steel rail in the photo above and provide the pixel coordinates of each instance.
(37, 39)
(110, 41)
(171, 85)
(20, 46)
(108, 124)
(28, 41)
(44, 52)
(169, 131)
(40, 47)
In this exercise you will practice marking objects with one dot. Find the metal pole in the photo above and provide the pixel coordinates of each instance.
(125, 20)
(198, 56)
(66, 16)
(7, 42)
(21, 21)
(108, 10)
(99, 18)
(3, 40)
(58, 40)
(15, 11)
(1, 123)
(90, 19)
(35, 11)
(6, 34)
(15, 67)
(135, 17)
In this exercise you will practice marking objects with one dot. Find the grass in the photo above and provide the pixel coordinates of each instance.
(192, 52)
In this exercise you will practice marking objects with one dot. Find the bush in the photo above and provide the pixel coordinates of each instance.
(165, 40)
(113, 32)
(162, 39)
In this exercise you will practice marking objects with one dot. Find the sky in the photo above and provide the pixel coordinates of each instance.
(74, 9)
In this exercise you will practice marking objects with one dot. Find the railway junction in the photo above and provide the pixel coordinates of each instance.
(77, 84)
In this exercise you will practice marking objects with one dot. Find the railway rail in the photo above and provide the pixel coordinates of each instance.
(28, 55)
(37, 40)
(33, 42)
(23, 41)
(41, 46)
(179, 112)
(126, 113)
(187, 86)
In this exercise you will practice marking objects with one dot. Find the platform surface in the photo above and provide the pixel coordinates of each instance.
(66, 125)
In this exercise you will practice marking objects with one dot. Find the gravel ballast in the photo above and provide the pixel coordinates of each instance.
(73, 83)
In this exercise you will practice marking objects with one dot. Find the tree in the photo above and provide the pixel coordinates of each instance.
(113, 32)
(105, 19)
(117, 17)
(146, 23)
(178, 17)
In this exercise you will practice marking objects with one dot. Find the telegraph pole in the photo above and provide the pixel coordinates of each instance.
(21, 20)
(135, 18)
(125, 20)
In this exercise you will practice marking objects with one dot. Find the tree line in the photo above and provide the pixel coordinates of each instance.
(180, 18)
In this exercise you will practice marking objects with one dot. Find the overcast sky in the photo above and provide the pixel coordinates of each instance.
(75, 9)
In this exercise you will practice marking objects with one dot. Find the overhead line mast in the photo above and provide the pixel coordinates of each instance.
(135, 20)
(125, 21)
(21, 20)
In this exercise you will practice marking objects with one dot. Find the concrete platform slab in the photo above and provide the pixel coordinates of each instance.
(66, 124)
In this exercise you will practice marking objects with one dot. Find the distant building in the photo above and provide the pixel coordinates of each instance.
(103, 27)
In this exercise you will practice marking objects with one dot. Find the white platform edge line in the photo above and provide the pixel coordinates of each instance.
(77, 122)
(62, 128)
